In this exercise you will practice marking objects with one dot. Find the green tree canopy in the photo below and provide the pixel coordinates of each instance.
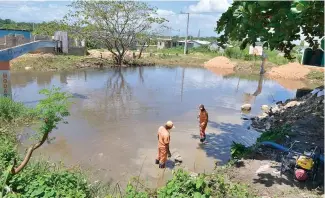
(115, 24)
(49, 28)
(277, 22)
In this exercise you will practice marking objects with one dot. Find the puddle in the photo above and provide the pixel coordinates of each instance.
(112, 130)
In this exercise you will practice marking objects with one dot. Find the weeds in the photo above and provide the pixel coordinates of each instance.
(275, 134)
(185, 185)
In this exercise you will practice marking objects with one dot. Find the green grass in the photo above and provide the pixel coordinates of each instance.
(46, 62)
(183, 185)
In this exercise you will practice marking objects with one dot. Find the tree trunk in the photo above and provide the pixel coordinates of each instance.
(262, 70)
(28, 155)
(141, 50)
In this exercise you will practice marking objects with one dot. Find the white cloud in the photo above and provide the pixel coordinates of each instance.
(218, 6)
(32, 11)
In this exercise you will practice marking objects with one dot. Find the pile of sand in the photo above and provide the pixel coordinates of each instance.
(220, 62)
(293, 71)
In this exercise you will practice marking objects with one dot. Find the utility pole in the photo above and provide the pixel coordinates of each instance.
(188, 19)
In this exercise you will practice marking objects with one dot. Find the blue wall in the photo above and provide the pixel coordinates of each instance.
(26, 34)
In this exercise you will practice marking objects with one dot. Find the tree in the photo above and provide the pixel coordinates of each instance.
(114, 23)
(49, 28)
(277, 22)
(51, 111)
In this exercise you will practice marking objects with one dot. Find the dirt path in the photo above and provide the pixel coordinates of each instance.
(264, 179)
(292, 71)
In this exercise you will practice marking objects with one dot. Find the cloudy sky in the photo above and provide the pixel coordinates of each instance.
(203, 17)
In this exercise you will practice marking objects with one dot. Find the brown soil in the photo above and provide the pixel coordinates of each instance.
(291, 84)
(264, 180)
(293, 71)
(220, 62)
(220, 71)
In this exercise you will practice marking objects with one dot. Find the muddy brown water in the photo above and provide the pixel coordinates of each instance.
(112, 130)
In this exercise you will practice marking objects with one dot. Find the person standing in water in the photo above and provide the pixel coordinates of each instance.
(163, 144)
(203, 121)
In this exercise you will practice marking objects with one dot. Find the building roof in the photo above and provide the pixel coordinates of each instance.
(184, 41)
(165, 39)
(202, 42)
(15, 29)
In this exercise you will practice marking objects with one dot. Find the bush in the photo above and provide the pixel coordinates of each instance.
(203, 186)
(10, 110)
(238, 150)
(275, 134)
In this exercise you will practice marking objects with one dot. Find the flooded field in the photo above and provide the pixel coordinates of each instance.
(112, 130)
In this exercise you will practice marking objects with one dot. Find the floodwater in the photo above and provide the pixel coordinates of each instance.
(112, 130)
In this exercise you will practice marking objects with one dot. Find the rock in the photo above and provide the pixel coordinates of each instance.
(178, 159)
(291, 104)
(267, 125)
(263, 168)
(192, 174)
(265, 108)
(246, 107)
(264, 115)
(279, 103)
(28, 68)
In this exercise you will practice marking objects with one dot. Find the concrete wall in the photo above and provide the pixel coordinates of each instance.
(71, 46)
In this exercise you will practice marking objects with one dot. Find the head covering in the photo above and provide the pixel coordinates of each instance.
(170, 124)
(201, 106)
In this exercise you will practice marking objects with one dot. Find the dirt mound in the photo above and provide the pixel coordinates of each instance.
(291, 84)
(220, 62)
(294, 71)
(305, 115)
(220, 71)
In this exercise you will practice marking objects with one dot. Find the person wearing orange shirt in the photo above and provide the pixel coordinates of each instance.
(163, 144)
(203, 122)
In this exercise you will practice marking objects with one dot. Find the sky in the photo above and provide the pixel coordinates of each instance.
(203, 13)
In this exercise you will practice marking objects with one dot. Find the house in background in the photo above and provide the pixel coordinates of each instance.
(163, 43)
(199, 43)
(5, 32)
(214, 46)
(190, 44)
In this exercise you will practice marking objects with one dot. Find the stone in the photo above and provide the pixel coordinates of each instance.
(264, 115)
(267, 126)
(246, 107)
(279, 103)
(178, 159)
(291, 104)
(265, 108)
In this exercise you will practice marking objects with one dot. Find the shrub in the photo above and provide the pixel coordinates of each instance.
(238, 150)
(203, 186)
(10, 110)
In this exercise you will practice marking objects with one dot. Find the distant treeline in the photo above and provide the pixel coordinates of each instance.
(10, 24)
(48, 28)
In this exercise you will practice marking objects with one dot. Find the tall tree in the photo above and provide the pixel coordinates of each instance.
(49, 28)
(114, 23)
(277, 22)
